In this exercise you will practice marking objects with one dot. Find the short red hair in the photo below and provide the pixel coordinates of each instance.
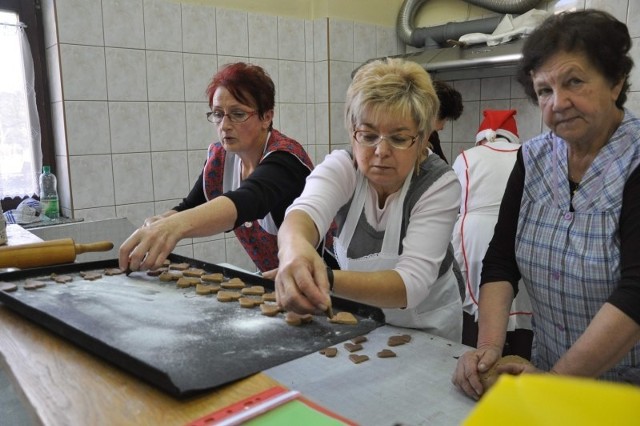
(249, 84)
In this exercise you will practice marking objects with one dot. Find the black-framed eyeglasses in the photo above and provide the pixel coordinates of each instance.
(371, 139)
(236, 116)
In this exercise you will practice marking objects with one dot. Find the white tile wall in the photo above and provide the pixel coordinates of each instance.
(126, 74)
(128, 81)
(123, 23)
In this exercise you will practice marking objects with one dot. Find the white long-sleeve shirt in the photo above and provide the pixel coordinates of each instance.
(332, 184)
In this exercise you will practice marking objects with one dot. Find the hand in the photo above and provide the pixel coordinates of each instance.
(301, 283)
(149, 245)
(148, 221)
(517, 368)
(270, 275)
(466, 376)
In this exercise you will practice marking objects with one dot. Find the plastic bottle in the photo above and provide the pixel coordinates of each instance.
(49, 193)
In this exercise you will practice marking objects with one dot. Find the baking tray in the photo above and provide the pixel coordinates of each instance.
(172, 338)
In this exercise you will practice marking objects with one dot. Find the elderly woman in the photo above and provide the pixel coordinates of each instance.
(569, 223)
(249, 179)
(394, 203)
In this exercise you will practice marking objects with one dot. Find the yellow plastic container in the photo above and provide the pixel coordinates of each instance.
(545, 399)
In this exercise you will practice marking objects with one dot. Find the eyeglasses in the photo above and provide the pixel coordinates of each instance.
(237, 116)
(371, 139)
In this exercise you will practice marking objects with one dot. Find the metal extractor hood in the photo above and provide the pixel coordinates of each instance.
(459, 61)
(478, 61)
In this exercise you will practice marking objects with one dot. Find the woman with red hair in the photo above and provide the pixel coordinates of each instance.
(252, 174)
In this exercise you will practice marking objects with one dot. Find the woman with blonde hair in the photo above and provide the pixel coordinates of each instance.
(394, 203)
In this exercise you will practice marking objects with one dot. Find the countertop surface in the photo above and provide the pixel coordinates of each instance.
(414, 388)
(61, 384)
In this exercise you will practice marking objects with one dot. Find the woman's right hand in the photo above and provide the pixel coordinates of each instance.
(149, 245)
(466, 376)
(301, 283)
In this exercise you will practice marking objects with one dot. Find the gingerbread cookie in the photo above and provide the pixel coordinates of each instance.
(179, 266)
(61, 279)
(269, 297)
(255, 290)
(359, 339)
(357, 359)
(295, 319)
(344, 318)
(167, 276)
(8, 287)
(233, 283)
(228, 296)
(398, 340)
(213, 278)
(156, 272)
(353, 347)
(269, 309)
(249, 302)
(386, 353)
(193, 272)
(91, 276)
(329, 352)
(184, 282)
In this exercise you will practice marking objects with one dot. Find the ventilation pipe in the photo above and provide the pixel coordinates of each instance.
(432, 37)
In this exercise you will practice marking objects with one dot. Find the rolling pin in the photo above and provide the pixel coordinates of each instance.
(54, 252)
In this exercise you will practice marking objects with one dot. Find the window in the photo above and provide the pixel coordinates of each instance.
(25, 128)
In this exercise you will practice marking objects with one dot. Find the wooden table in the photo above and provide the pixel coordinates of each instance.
(65, 385)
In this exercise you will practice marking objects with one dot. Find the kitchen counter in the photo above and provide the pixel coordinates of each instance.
(62, 384)
(65, 385)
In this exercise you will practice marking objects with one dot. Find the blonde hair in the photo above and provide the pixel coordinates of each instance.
(394, 86)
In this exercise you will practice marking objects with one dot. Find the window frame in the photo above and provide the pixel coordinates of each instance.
(30, 13)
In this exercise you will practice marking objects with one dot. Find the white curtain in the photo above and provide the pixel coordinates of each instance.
(20, 151)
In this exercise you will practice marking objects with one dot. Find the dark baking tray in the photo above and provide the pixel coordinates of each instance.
(176, 340)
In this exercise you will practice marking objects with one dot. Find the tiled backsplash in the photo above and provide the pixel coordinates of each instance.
(128, 80)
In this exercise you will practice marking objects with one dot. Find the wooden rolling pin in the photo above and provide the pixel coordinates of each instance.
(54, 252)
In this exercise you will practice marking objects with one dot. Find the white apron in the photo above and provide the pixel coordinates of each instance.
(439, 313)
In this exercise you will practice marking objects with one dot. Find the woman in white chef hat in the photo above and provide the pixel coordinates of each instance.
(483, 172)
(395, 204)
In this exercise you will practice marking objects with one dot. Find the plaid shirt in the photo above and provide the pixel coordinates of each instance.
(570, 260)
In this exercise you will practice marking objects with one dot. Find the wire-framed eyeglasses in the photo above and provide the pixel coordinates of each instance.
(371, 139)
(236, 116)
